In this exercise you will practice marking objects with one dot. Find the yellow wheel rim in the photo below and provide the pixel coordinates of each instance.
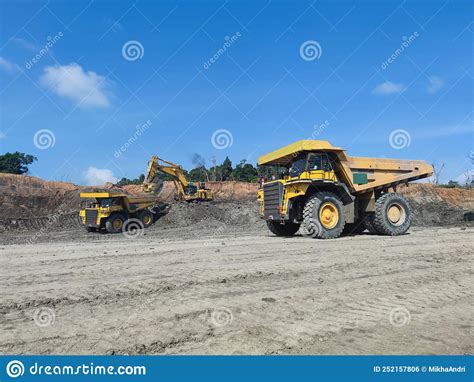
(328, 215)
(117, 223)
(396, 214)
(146, 219)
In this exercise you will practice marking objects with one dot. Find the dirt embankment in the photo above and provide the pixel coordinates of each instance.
(31, 202)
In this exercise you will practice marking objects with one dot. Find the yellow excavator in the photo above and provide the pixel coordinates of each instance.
(186, 191)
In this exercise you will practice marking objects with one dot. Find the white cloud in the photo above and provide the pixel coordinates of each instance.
(2, 135)
(88, 89)
(436, 84)
(388, 87)
(466, 177)
(8, 66)
(97, 176)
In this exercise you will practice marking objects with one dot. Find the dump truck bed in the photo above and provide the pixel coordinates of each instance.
(130, 199)
(360, 174)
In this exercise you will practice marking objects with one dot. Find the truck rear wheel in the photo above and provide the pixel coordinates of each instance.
(286, 229)
(146, 217)
(392, 214)
(114, 223)
(323, 216)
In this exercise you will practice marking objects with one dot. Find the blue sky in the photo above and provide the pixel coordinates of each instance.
(235, 78)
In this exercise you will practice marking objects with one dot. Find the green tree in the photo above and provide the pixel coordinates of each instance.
(226, 169)
(198, 174)
(245, 172)
(126, 181)
(16, 163)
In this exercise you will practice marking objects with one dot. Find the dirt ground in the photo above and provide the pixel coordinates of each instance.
(210, 279)
(237, 290)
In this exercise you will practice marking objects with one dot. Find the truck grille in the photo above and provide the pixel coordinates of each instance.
(272, 197)
(91, 218)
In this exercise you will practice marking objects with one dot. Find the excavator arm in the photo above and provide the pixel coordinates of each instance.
(160, 165)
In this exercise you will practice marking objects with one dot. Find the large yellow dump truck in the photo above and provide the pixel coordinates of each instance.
(111, 211)
(324, 191)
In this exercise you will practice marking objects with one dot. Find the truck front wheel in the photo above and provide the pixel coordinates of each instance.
(114, 223)
(392, 214)
(323, 216)
(286, 229)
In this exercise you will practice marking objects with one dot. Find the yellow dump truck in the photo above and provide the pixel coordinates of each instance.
(111, 211)
(323, 191)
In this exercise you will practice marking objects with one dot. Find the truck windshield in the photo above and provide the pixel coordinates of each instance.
(107, 202)
(298, 166)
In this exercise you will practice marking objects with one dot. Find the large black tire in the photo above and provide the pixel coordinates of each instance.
(287, 229)
(312, 226)
(146, 217)
(111, 224)
(91, 229)
(369, 223)
(392, 214)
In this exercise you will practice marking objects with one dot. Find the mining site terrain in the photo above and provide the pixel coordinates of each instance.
(210, 279)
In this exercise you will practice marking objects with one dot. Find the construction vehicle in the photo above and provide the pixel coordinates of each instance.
(112, 211)
(324, 191)
(185, 191)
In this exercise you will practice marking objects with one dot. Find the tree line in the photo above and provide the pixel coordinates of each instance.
(17, 163)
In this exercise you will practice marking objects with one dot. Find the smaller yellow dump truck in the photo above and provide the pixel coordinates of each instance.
(323, 191)
(111, 211)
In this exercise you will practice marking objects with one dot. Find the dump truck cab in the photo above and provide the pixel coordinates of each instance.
(324, 191)
(111, 211)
